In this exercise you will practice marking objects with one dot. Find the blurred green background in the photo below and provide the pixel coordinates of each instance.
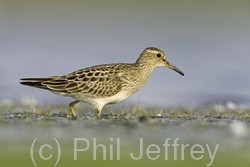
(205, 126)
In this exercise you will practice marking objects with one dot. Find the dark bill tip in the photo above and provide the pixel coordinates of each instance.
(179, 71)
(176, 69)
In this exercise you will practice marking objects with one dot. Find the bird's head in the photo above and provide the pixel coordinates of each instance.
(156, 58)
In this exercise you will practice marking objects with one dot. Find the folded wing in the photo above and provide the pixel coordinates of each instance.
(101, 81)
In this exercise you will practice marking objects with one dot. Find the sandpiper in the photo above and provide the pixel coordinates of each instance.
(104, 84)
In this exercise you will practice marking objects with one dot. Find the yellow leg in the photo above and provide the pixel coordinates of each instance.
(71, 107)
(98, 113)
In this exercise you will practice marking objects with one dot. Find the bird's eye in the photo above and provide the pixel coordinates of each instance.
(158, 55)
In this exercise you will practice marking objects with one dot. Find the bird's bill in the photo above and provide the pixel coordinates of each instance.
(171, 66)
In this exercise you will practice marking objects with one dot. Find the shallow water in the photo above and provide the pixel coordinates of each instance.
(208, 41)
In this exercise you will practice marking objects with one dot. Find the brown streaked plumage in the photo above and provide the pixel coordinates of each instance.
(104, 84)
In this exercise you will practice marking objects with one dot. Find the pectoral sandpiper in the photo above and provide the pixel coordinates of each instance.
(104, 84)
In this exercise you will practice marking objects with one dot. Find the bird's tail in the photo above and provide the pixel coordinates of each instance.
(35, 82)
(54, 83)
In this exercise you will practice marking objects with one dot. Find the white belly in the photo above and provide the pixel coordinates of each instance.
(100, 102)
(119, 97)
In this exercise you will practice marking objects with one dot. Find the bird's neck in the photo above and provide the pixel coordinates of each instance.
(144, 70)
(144, 66)
(138, 75)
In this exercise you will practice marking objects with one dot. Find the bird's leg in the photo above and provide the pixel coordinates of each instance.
(71, 107)
(98, 112)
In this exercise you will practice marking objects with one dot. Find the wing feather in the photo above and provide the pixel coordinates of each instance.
(97, 81)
